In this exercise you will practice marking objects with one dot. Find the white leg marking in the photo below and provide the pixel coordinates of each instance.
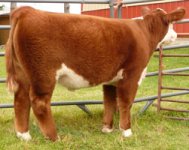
(126, 133)
(24, 136)
(143, 75)
(105, 129)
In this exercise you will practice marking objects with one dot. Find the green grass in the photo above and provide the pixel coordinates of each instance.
(77, 130)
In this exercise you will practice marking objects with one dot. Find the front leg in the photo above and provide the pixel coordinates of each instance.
(126, 91)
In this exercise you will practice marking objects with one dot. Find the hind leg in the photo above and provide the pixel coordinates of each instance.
(22, 111)
(110, 106)
(40, 97)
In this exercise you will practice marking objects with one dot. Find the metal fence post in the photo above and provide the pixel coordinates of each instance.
(111, 4)
(159, 78)
(13, 6)
(120, 10)
(66, 8)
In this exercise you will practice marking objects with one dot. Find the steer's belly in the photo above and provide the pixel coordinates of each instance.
(69, 79)
(72, 81)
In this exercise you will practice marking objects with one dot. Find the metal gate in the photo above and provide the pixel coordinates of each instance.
(162, 87)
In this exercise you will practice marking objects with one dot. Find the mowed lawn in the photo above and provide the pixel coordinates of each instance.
(79, 131)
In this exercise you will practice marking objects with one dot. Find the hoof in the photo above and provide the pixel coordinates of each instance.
(24, 136)
(58, 139)
(106, 130)
(126, 133)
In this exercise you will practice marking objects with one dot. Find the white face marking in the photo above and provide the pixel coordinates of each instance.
(170, 37)
(143, 75)
(126, 133)
(69, 79)
(24, 136)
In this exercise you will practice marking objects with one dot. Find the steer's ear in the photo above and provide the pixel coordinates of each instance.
(175, 15)
(145, 11)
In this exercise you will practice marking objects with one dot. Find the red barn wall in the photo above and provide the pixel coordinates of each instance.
(134, 11)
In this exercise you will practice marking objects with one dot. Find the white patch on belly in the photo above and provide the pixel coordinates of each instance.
(118, 77)
(69, 79)
(143, 75)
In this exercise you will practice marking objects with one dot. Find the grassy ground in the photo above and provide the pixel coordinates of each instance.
(77, 130)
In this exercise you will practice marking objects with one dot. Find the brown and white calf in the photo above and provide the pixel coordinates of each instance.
(79, 51)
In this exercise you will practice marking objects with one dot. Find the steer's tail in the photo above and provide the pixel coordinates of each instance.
(10, 54)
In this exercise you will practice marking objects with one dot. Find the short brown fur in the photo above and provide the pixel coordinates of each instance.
(95, 48)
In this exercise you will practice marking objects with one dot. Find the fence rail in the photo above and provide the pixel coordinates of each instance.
(78, 1)
(182, 21)
(7, 27)
(91, 102)
(137, 1)
(60, 1)
(3, 80)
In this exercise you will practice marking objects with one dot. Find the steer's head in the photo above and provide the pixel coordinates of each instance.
(160, 24)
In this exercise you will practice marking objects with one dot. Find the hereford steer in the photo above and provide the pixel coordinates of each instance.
(79, 51)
